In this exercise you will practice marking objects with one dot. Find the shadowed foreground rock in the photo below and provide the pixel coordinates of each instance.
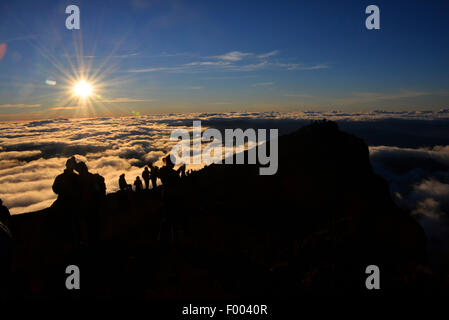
(312, 228)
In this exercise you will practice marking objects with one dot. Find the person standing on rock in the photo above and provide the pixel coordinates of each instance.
(124, 186)
(64, 221)
(146, 177)
(170, 179)
(138, 184)
(66, 185)
(154, 175)
(93, 192)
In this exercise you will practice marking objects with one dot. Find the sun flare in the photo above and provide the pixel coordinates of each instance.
(82, 89)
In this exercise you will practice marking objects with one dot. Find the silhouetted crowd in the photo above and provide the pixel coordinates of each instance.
(81, 193)
(167, 175)
(75, 215)
(169, 178)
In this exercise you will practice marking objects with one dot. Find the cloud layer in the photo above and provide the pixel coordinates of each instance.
(419, 181)
(33, 153)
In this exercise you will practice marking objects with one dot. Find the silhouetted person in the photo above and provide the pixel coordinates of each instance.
(93, 191)
(146, 177)
(93, 182)
(124, 186)
(5, 250)
(170, 178)
(168, 174)
(65, 217)
(66, 185)
(154, 175)
(138, 184)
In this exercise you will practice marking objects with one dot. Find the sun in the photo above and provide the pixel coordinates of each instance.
(82, 89)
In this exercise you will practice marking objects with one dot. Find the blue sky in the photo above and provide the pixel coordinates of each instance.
(172, 56)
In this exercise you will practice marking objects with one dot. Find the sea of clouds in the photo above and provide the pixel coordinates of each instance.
(33, 153)
(410, 149)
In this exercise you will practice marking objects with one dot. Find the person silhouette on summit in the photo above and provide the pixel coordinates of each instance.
(146, 177)
(168, 174)
(92, 184)
(93, 191)
(170, 194)
(66, 185)
(154, 175)
(124, 186)
(138, 184)
(64, 221)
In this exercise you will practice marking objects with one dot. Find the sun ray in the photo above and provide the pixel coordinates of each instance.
(83, 84)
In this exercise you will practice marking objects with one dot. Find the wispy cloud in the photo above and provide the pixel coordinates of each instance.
(65, 108)
(195, 88)
(208, 63)
(176, 69)
(297, 66)
(250, 67)
(233, 56)
(207, 66)
(19, 105)
(315, 67)
(118, 56)
(238, 55)
(129, 55)
(235, 61)
(268, 54)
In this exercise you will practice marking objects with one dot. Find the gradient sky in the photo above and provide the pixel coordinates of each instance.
(207, 56)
